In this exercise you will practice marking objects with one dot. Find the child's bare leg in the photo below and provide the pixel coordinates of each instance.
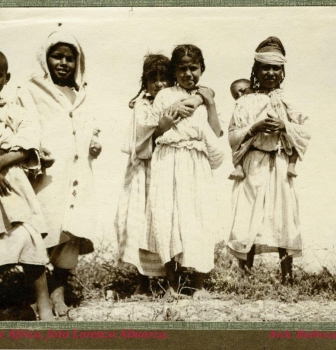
(172, 274)
(200, 293)
(143, 286)
(291, 165)
(59, 278)
(44, 305)
(238, 173)
(286, 263)
(36, 277)
(247, 264)
(64, 257)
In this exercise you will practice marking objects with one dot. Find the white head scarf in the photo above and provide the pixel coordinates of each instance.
(274, 57)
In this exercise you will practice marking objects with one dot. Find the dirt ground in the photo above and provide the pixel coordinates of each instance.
(212, 310)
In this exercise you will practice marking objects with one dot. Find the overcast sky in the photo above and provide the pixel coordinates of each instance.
(116, 39)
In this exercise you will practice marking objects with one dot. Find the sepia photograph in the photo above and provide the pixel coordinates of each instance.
(167, 169)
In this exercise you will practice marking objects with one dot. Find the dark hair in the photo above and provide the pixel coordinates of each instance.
(254, 82)
(276, 44)
(271, 41)
(189, 50)
(243, 80)
(3, 59)
(153, 64)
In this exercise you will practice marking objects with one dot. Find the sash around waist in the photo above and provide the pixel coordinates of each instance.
(190, 144)
(252, 148)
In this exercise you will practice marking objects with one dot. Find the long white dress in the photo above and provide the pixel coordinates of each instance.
(264, 203)
(65, 190)
(182, 207)
(131, 214)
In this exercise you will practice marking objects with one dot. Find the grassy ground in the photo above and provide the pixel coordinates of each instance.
(107, 290)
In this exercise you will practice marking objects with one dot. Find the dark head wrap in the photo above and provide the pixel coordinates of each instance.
(271, 51)
(271, 44)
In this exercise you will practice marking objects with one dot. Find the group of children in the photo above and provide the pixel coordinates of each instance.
(166, 221)
(167, 214)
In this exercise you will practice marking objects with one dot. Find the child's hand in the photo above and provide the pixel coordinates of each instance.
(168, 119)
(183, 108)
(207, 94)
(5, 187)
(95, 149)
(46, 159)
(278, 124)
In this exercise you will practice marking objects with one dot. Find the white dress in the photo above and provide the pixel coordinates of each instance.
(182, 207)
(131, 214)
(264, 203)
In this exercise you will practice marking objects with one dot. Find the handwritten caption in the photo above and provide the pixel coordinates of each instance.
(17, 334)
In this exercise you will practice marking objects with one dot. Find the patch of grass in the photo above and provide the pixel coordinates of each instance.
(100, 271)
(263, 281)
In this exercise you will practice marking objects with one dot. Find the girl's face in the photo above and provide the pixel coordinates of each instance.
(188, 73)
(157, 83)
(269, 76)
(61, 62)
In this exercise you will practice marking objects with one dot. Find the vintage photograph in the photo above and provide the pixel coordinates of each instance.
(168, 165)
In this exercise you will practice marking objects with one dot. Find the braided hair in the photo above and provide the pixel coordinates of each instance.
(276, 45)
(153, 64)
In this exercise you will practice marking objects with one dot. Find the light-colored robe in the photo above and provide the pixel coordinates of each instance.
(65, 190)
(131, 214)
(264, 203)
(21, 221)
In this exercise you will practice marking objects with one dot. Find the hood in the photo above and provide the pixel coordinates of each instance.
(64, 37)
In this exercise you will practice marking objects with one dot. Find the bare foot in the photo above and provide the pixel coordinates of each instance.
(46, 314)
(57, 298)
(72, 314)
(237, 174)
(201, 294)
(291, 171)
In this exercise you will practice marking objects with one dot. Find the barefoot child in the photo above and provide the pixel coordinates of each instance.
(238, 89)
(56, 94)
(181, 226)
(131, 215)
(21, 223)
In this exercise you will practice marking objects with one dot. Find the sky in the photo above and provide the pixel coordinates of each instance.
(115, 41)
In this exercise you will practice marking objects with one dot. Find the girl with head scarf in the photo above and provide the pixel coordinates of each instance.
(265, 133)
(56, 94)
